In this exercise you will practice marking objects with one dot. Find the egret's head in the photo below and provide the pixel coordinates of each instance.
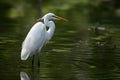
(51, 16)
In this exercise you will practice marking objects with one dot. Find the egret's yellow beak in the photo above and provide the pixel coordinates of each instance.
(60, 18)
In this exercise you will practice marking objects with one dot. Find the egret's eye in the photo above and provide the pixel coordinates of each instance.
(54, 16)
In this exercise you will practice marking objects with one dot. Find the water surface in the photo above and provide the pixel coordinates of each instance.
(79, 50)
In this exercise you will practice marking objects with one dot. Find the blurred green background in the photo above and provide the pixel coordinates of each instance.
(87, 47)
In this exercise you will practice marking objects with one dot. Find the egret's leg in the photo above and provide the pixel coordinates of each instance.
(33, 60)
(32, 74)
(39, 59)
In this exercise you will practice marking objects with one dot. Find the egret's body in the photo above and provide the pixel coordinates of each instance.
(34, 41)
(38, 36)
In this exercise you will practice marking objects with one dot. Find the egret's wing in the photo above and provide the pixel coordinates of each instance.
(34, 40)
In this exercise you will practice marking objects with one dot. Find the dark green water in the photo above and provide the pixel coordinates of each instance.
(68, 56)
(79, 49)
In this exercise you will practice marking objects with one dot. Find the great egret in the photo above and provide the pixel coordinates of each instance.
(38, 36)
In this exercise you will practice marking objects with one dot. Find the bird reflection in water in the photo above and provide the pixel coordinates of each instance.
(33, 76)
(24, 76)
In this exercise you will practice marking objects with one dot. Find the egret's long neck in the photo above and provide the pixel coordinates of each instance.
(51, 29)
(46, 21)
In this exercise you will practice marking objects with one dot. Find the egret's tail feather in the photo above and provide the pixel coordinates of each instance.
(24, 54)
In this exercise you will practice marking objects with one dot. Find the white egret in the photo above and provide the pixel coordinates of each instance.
(39, 36)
